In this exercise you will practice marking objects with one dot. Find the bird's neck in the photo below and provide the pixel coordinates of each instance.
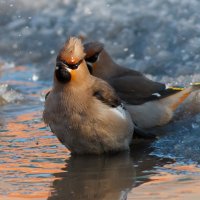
(107, 68)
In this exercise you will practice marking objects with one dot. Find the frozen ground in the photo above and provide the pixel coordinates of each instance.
(160, 38)
(157, 37)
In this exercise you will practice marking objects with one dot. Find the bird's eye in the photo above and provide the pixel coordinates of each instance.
(93, 58)
(73, 66)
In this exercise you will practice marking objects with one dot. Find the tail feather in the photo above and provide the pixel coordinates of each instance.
(173, 101)
(170, 91)
(195, 86)
(159, 112)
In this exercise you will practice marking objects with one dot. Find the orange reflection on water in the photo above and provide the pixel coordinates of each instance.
(35, 195)
(188, 168)
(29, 156)
(170, 185)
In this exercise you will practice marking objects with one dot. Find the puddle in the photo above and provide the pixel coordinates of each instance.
(160, 38)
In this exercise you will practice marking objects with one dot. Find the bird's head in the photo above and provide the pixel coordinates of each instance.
(69, 61)
(92, 50)
(98, 61)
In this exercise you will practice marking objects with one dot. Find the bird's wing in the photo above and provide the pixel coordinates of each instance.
(136, 89)
(105, 93)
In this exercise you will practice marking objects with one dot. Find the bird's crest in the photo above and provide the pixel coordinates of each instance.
(72, 52)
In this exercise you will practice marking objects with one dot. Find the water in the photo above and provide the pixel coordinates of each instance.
(159, 38)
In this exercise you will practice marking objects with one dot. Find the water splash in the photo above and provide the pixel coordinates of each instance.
(9, 95)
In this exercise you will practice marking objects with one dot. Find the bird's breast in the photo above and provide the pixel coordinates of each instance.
(119, 111)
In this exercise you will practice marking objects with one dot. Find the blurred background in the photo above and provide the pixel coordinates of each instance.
(158, 37)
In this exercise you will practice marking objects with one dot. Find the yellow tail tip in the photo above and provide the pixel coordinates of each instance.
(195, 84)
(175, 88)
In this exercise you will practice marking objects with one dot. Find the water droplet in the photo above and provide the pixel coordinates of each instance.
(87, 11)
(15, 46)
(195, 125)
(39, 43)
(35, 77)
(52, 52)
(60, 31)
(147, 58)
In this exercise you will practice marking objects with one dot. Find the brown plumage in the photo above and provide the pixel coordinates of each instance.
(83, 111)
(149, 103)
(159, 112)
(131, 86)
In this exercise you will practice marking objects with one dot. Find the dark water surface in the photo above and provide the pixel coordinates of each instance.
(161, 38)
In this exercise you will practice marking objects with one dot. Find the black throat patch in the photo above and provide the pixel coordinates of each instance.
(61, 73)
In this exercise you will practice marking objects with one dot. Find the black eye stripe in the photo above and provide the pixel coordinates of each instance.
(89, 66)
(72, 66)
(93, 58)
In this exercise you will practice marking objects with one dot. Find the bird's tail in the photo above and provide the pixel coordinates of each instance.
(160, 112)
(173, 101)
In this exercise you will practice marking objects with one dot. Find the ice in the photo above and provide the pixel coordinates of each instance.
(6, 65)
(8, 95)
(195, 125)
(162, 35)
(182, 144)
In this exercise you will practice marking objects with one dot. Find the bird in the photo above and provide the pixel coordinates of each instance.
(131, 85)
(84, 111)
(149, 103)
(160, 112)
